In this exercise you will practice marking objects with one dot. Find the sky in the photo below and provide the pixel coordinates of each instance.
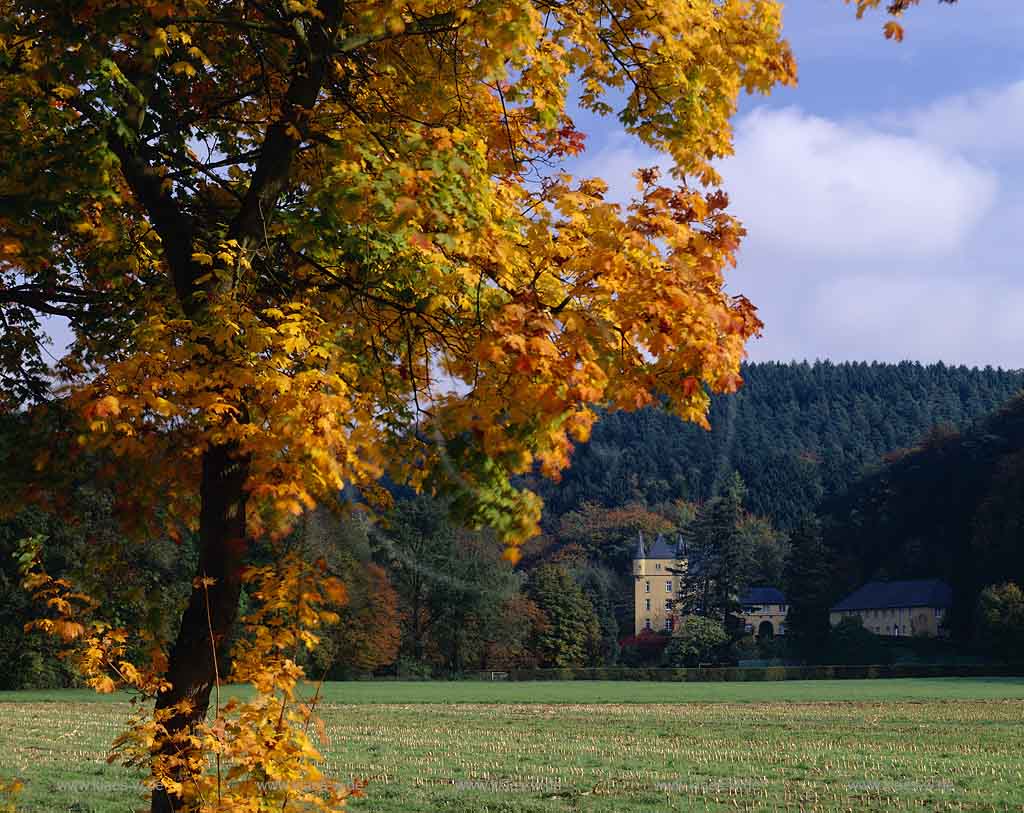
(884, 195)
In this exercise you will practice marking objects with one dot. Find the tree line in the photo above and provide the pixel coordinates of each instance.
(426, 596)
(796, 433)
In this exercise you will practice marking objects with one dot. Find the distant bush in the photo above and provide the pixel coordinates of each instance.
(763, 673)
(850, 643)
(642, 650)
(697, 640)
(1000, 621)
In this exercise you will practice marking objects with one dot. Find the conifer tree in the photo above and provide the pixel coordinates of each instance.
(808, 589)
(720, 557)
(571, 635)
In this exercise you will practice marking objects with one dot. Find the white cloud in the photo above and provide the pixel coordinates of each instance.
(918, 317)
(818, 187)
(988, 122)
(886, 237)
(928, 318)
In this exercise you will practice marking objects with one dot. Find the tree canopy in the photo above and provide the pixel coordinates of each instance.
(304, 244)
(301, 231)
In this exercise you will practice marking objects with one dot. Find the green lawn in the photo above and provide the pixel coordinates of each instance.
(951, 744)
(600, 691)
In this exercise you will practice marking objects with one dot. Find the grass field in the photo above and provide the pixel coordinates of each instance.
(951, 744)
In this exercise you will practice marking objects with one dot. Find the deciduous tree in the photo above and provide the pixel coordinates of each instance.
(697, 640)
(1000, 620)
(300, 243)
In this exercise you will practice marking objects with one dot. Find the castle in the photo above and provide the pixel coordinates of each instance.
(917, 607)
(657, 575)
(656, 584)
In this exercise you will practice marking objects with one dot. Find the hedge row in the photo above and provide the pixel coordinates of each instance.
(760, 673)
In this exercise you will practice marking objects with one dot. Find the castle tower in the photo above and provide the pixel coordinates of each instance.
(655, 584)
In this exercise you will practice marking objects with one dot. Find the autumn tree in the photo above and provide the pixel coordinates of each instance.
(369, 631)
(367, 634)
(305, 244)
(513, 640)
(609, 534)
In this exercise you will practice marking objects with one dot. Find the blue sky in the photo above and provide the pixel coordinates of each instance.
(884, 196)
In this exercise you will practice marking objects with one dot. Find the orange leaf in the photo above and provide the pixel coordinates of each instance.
(894, 31)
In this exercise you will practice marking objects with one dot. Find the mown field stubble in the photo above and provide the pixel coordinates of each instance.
(897, 745)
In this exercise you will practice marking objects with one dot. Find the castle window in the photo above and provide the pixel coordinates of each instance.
(657, 566)
(647, 587)
(647, 624)
(668, 625)
(668, 586)
(647, 604)
(668, 604)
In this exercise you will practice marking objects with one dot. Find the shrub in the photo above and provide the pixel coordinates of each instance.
(697, 640)
(1000, 621)
(850, 643)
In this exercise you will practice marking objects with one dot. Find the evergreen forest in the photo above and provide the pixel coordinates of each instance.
(796, 433)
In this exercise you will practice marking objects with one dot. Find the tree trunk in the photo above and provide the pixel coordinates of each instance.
(208, 619)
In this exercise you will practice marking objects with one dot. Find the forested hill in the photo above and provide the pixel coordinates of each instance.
(952, 508)
(796, 432)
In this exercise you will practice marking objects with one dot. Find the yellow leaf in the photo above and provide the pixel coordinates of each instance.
(512, 554)
(103, 684)
(108, 405)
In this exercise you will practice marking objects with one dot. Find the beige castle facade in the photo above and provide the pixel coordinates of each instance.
(763, 611)
(896, 609)
(656, 585)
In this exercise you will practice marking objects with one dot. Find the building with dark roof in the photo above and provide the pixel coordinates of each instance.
(913, 607)
(763, 610)
(658, 568)
(656, 583)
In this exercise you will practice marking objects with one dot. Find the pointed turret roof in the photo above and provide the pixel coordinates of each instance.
(661, 549)
(640, 552)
